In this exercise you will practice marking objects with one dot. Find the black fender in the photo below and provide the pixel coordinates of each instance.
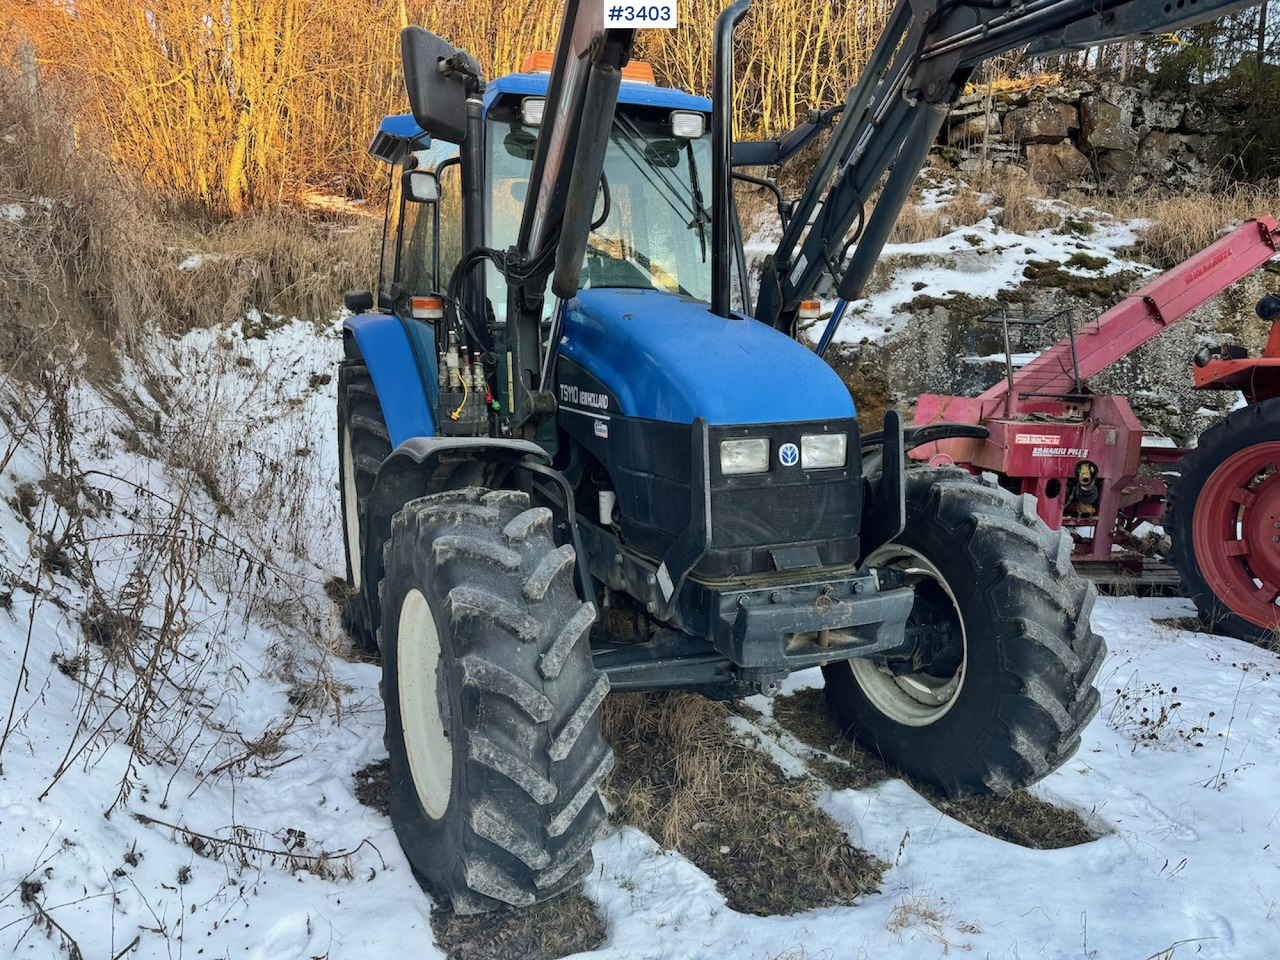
(423, 465)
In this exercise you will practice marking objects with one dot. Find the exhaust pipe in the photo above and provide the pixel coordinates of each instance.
(721, 157)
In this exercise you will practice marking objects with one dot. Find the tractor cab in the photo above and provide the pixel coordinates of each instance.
(639, 358)
(651, 225)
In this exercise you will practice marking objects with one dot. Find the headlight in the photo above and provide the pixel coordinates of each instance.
(819, 451)
(744, 456)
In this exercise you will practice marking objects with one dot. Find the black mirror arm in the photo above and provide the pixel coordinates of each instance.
(463, 64)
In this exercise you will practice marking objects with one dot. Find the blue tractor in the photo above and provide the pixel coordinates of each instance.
(644, 482)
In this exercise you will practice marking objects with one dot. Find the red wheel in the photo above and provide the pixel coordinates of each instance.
(1225, 524)
(1236, 531)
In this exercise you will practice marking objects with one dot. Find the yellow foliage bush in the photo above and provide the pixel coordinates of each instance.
(235, 104)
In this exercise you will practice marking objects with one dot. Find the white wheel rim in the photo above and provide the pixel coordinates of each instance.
(425, 743)
(351, 506)
(916, 699)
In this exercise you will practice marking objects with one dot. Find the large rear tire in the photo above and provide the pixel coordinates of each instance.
(1224, 524)
(1000, 685)
(492, 702)
(363, 443)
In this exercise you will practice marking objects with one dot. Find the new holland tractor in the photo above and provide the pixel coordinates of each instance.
(638, 481)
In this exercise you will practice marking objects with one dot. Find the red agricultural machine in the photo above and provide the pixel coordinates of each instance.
(1082, 456)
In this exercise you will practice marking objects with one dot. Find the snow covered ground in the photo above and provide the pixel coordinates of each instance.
(227, 824)
(975, 260)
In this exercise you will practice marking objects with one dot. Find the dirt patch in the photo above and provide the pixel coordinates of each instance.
(373, 786)
(1020, 818)
(1194, 624)
(545, 931)
(683, 777)
(865, 378)
(808, 717)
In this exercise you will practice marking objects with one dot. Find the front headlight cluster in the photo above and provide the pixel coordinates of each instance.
(744, 456)
(818, 451)
(821, 451)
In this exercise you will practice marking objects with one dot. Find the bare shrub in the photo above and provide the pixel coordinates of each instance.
(225, 510)
(240, 106)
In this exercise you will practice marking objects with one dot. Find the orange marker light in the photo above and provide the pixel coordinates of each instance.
(636, 71)
(427, 308)
(810, 309)
(539, 61)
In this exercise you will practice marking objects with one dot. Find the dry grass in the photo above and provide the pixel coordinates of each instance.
(808, 717)
(1019, 197)
(1003, 82)
(966, 208)
(284, 261)
(68, 237)
(1020, 818)
(686, 780)
(917, 224)
(1183, 224)
(87, 263)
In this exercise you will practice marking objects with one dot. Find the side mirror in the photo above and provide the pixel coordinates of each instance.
(420, 186)
(437, 90)
(358, 301)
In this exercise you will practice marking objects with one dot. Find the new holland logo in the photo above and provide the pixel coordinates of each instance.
(788, 454)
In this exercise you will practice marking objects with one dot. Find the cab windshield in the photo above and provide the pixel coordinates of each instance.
(652, 220)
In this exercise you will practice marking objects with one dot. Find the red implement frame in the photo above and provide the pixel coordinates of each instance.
(1079, 453)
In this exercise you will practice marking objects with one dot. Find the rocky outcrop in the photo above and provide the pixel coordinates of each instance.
(1109, 135)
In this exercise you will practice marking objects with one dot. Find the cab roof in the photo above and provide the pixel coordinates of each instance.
(396, 131)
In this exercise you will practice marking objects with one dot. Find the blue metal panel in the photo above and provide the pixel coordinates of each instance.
(400, 125)
(640, 94)
(670, 358)
(387, 351)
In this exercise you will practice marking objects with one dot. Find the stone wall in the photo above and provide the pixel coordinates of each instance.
(1113, 136)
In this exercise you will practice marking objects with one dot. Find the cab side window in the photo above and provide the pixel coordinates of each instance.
(450, 176)
(431, 233)
(418, 260)
(390, 234)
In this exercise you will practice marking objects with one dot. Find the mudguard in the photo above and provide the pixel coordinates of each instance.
(422, 465)
(400, 371)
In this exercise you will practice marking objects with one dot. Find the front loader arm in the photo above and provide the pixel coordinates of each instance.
(892, 116)
(582, 96)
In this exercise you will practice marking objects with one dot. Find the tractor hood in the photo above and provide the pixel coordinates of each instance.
(668, 357)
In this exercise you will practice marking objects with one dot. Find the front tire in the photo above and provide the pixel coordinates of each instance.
(999, 686)
(492, 702)
(1223, 521)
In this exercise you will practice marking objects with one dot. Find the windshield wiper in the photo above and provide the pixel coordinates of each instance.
(701, 215)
